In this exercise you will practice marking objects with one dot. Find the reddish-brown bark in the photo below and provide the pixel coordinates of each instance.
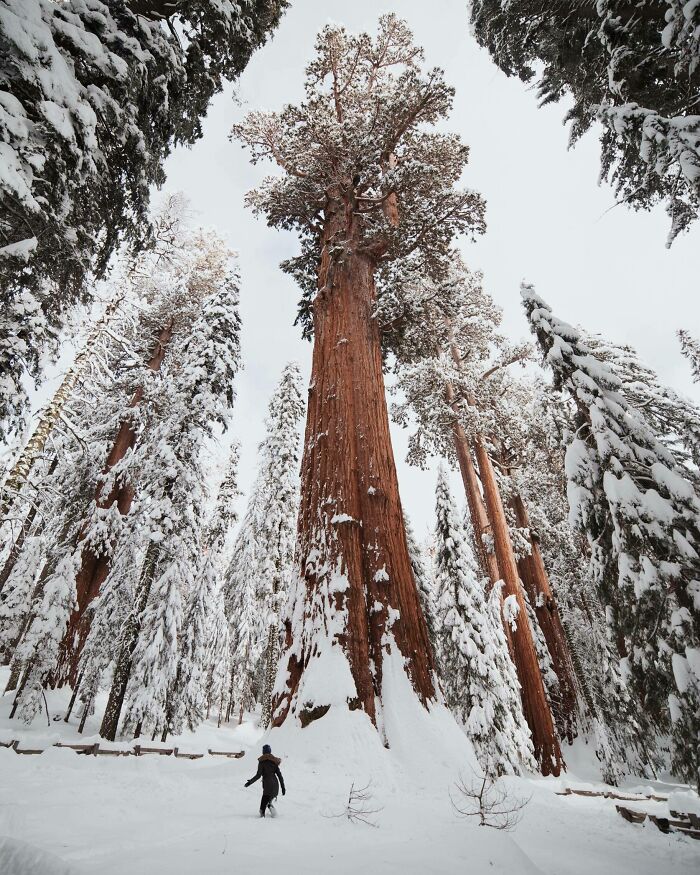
(535, 705)
(348, 470)
(475, 501)
(536, 582)
(95, 566)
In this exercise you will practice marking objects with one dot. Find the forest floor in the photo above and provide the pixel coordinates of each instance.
(61, 812)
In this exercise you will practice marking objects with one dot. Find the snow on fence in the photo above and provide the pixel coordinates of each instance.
(609, 794)
(137, 751)
(688, 824)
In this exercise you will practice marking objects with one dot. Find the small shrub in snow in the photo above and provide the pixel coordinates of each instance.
(489, 799)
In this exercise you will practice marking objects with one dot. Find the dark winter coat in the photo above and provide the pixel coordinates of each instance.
(269, 771)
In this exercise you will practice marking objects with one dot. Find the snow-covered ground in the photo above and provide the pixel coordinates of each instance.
(65, 813)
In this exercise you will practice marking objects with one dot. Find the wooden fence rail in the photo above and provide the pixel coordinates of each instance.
(609, 794)
(686, 824)
(137, 751)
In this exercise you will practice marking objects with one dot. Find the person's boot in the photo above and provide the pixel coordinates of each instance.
(262, 812)
(272, 810)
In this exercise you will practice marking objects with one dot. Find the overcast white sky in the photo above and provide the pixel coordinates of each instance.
(548, 220)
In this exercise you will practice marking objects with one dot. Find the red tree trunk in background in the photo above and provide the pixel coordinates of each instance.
(350, 518)
(535, 705)
(475, 501)
(536, 582)
(95, 566)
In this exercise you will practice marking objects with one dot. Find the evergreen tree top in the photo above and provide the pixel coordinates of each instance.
(633, 65)
(360, 168)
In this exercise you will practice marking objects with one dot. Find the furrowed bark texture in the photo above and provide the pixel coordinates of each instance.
(536, 582)
(350, 508)
(95, 566)
(535, 705)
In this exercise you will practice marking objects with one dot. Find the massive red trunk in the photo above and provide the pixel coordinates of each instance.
(536, 582)
(95, 566)
(535, 705)
(350, 519)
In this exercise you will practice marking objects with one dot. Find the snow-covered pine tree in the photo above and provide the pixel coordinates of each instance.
(380, 197)
(690, 347)
(675, 419)
(60, 493)
(38, 650)
(262, 565)
(280, 456)
(606, 709)
(641, 83)
(169, 281)
(188, 398)
(95, 96)
(245, 615)
(478, 676)
(217, 688)
(17, 476)
(203, 646)
(641, 517)
(424, 582)
(14, 604)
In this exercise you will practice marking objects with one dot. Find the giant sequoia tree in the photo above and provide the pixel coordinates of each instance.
(366, 183)
(631, 65)
(93, 95)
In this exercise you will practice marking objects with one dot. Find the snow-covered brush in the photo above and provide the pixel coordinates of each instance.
(359, 807)
(490, 800)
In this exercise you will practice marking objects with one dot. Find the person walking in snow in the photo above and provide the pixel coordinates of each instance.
(269, 771)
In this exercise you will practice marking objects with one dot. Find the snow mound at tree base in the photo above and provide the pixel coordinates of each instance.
(409, 739)
(416, 754)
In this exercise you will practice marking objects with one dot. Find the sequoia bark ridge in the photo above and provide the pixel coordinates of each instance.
(350, 503)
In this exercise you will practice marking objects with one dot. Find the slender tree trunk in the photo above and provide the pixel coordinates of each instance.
(13, 680)
(95, 567)
(84, 716)
(535, 705)
(229, 706)
(536, 582)
(350, 519)
(76, 690)
(122, 672)
(475, 502)
(20, 687)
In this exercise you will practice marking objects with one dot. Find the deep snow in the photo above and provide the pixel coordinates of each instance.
(77, 814)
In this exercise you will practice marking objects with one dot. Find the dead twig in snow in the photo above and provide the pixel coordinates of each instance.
(493, 804)
(358, 808)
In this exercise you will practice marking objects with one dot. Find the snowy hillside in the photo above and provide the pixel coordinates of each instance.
(156, 814)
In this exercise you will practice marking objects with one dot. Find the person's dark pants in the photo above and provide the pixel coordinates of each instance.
(265, 803)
